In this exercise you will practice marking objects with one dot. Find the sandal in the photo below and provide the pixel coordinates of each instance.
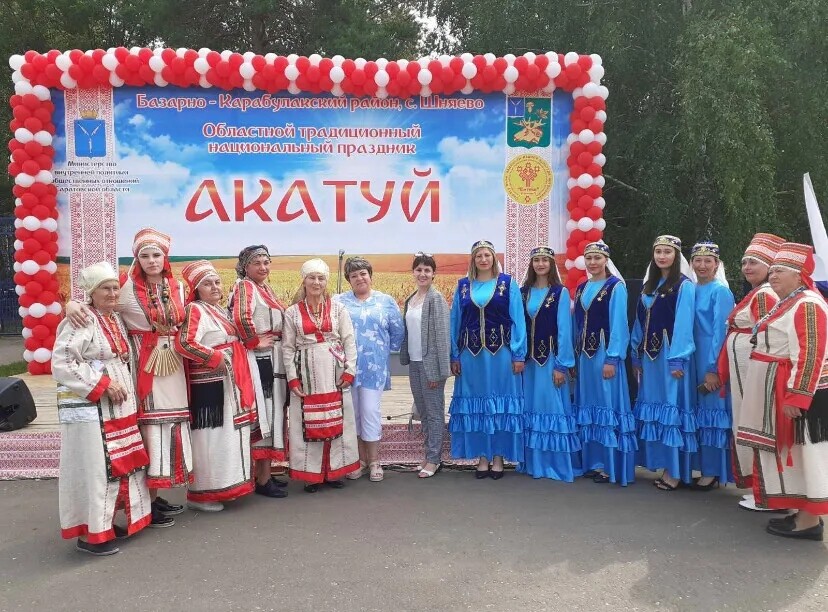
(663, 485)
(376, 472)
(357, 473)
(424, 473)
(600, 478)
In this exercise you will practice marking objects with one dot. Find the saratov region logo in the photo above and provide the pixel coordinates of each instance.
(528, 179)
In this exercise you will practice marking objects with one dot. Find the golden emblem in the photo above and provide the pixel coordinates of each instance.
(528, 179)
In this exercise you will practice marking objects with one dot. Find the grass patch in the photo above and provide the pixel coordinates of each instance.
(13, 369)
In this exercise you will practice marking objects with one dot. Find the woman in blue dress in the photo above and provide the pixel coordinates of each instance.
(488, 348)
(602, 397)
(714, 416)
(551, 444)
(662, 350)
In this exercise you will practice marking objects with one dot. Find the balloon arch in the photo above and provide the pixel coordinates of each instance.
(32, 152)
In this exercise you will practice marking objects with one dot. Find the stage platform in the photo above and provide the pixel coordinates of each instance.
(34, 451)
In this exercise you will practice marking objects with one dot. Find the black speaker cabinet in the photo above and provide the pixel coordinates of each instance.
(17, 408)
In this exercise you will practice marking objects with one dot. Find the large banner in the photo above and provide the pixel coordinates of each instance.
(313, 175)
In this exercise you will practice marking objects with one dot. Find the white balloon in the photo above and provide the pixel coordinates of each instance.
(63, 61)
(54, 308)
(600, 181)
(19, 289)
(157, 64)
(44, 176)
(600, 159)
(24, 180)
(424, 61)
(337, 74)
(42, 355)
(510, 74)
(17, 267)
(586, 136)
(601, 224)
(570, 183)
(201, 65)
(42, 93)
(445, 60)
(584, 224)
(21, 88)
(270, 58)
(115, 80)
(30, 267)
(16, 61)
(49, 224)
(337, 90)
(381, 78)
(601, 137)
(18, 245)
(37, 310)
(570, 58)
(248, 56)
(203, 52)
(425, 91)
(599, 203)
(509, 89)
(28, 355)
(42, 138)
(382, 93)
(293, 88)
(26, 333)
(569, 264)
(603, 92)
(225, 55)
(571, 225)
(23, 312)
(466, 57)
(292, 72)
(531, 57)
(50, 267)
(360, 62)
(578, 92)
(18, 224)
(467, 88)
(134, 50)
(381, 63)
(403, 64)
(510, 58)
(204, 82)
(18, 202)
(159, 80)
(67, 81)
(585, 180)
(601, 116)
(469, 70)
(580, 263)
(109, 61)
(337, 60)
(571, 138)
(31, 223)
(553, 69)
(17, 77)
(248, 85)
(596, 73)
(23, 135)
(490, 58)
(596, 59)
(247, 71)
(591, 90)
(424, 77)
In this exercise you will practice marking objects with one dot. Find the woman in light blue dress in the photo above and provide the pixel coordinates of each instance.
(662, 349)
(551, 444)
(714, 414)
(488, 348)
(602, 397)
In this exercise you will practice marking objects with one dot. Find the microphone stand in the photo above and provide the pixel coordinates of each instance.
(339, 272)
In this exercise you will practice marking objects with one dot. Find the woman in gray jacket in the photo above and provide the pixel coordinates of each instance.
(426, 351)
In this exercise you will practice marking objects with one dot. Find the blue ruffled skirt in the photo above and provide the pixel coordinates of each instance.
(714, 418)
(606, 423)
(666, 421)
(486, 410)
(551, 443)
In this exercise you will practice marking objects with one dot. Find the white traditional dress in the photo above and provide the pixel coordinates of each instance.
(257, 313)
(318, 352)
(102, 456)
(734, 362)
(222, 404)
(151, 313)
(788, 367)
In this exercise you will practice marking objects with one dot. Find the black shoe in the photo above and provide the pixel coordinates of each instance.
(311, 488)
(278, 483)
(494, 475)
(120, 532)
(591, 473)
(787, 530)
(166, 508)
(713, 484)
(791, 518)
(481, 474)
(99, 550)
(600, 478)
(160, 521)
(270, 490)
(335, 484)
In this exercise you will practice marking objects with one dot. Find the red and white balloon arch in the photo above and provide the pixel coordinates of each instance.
(36, 74)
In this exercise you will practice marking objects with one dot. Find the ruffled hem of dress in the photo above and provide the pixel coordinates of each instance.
(666, 423)
(608, 428)
(485, 423)
(553, 441)
(714, 427)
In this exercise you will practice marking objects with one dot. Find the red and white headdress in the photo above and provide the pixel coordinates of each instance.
(195, 273)
(763, 248)
(796, 257)
(149, 238)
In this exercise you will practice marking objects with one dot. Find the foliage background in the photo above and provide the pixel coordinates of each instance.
(716, 109)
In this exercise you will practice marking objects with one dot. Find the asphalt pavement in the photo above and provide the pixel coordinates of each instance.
(447, 543)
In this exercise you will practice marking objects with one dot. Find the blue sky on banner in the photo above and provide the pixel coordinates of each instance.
(167, 151)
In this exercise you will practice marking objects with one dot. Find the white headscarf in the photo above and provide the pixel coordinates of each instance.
(315, 266)
(92, 277)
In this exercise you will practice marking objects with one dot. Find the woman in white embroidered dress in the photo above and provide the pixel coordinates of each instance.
(320, 360)
(102, 456)
(258, 314)
(222, 399)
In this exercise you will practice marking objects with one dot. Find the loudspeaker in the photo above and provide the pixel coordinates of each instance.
(17, 407)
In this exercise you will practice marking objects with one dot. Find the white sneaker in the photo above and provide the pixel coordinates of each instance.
(205, 506)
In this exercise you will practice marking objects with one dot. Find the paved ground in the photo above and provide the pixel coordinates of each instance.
(11, 349)
(450, 543)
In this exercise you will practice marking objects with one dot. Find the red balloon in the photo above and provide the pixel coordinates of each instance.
(31, 101)
(585, 62)
(583, 243)
(456, 64)
(358, 77)
(521, 63)
(35, 368)
(42, 257)
(577, 213)
(594, 213)
(594, 235)
(348, 66)
(29, 167)
(585, 159)
(594, 170)
(596, 126)
(30, 321)
(47, 297)
(32, 344)
(571, 253)
(594, 147)
(42, 277)
(34, 288)
(578, 125)
(33, 148)
(576, 192)
(585, 202)
(587, 113)
(49, 320)
(577, 236)
(594, 191)
(479, 61)
(41, 332)
(302, 63)
(500, 64)
(393, 69)
(31, 246)
(26, 300)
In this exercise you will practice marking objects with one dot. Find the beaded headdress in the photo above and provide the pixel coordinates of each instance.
(600, 247)
(482, 244)
(541, 251)
(705, 248)
(667, 240)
